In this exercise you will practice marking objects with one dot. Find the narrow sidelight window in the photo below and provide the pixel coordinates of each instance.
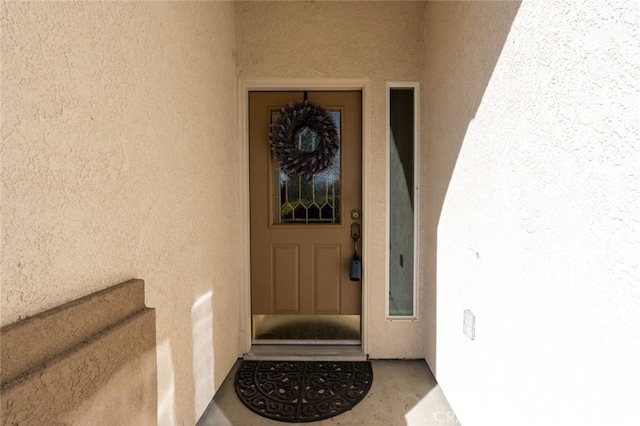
(402, 199)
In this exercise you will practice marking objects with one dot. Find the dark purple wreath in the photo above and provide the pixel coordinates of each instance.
(293, 118)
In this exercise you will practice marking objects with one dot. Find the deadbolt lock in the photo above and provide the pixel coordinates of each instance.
(355, 214)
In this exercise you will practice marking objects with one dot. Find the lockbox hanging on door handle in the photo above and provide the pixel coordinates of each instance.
(355, 269)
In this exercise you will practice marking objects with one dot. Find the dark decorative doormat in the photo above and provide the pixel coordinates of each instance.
(302, 391)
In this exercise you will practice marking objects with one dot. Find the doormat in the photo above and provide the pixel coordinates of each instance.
(302, 391)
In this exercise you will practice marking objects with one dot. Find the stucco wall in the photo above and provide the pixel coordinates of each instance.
(119, 161)
(89, 361)
(378, 41)
(538, 233)
(463, 41)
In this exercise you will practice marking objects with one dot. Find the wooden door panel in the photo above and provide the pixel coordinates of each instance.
(302, 268)
(285, 278)
(327, 268)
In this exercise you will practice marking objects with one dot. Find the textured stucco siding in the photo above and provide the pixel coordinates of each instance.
(533, 155)
(27, 343)
(463, 41)
(119, 161)
(103, 374)
(376, 41)
(106, 381)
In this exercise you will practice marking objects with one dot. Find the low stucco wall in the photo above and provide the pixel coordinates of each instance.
(533, 155)
(118, 161)
(90, 361)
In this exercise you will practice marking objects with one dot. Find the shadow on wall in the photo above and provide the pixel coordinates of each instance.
(202, 364)
(463, 41)
(166, 385)
(203, 351)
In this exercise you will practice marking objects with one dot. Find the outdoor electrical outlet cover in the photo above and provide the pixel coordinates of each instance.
(469, 324)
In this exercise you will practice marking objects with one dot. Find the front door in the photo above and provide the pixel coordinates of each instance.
(301, 227)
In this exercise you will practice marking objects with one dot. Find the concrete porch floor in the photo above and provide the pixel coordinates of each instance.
(403, 393)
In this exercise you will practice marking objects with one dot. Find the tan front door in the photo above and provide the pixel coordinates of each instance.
(301, 244)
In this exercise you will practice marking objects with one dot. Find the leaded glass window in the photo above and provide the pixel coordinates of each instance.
(316, 200)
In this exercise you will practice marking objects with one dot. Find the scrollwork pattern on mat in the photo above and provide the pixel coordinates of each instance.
(302, 391)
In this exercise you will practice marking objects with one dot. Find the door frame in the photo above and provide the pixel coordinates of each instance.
(246, 86)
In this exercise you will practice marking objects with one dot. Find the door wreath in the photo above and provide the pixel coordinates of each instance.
(282, 134)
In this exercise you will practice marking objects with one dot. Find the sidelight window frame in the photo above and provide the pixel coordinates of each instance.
(403, 85)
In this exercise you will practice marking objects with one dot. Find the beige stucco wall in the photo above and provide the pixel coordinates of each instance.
(463, 41)
(375, 41)
(89, 361)
(118, 161)
(533, 154)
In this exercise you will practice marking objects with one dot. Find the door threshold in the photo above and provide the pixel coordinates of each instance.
(307, 342)
(305, 353)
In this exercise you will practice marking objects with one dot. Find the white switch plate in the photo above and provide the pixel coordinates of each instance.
(469, 324)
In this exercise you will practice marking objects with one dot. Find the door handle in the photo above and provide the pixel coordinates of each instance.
(355, 231)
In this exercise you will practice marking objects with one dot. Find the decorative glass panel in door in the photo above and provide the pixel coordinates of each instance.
(314, 200)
